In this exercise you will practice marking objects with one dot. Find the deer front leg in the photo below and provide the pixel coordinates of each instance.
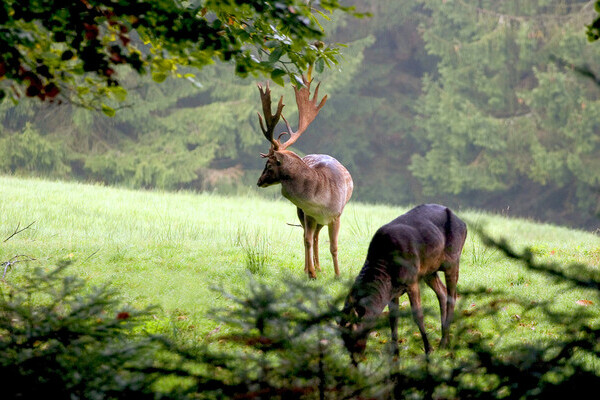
(414, 295)
(310, 226)
(394, 309)
(334, 229)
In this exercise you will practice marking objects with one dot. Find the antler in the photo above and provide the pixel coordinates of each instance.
(307, 111)
(270, 119)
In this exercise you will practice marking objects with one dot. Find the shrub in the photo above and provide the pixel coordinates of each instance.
(61, 340)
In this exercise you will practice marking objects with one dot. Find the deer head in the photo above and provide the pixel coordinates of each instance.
(353, 332)
(277, 155)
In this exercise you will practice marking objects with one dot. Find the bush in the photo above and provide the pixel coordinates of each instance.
(283, 343)
(60, 340)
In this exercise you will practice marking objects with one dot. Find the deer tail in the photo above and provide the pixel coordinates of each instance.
(448, 224)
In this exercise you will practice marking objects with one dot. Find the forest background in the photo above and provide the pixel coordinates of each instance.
(476, 104)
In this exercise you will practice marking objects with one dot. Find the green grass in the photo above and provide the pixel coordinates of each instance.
(173, 249)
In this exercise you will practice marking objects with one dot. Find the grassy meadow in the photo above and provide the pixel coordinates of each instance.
(174, 249)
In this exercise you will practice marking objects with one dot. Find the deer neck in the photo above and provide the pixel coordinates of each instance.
(373, 289)
(298, 180)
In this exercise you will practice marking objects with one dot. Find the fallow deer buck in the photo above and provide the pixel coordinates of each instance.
(413, 247)
(317, 184)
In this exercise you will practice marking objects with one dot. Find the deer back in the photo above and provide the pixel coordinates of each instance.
(318, 184)
(332, 187)
(425, 237)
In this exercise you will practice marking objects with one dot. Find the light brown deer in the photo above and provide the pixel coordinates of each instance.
(317, 184)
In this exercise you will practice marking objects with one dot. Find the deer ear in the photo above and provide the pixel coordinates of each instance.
(360, 311)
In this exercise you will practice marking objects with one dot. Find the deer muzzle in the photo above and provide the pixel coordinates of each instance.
(263, 182)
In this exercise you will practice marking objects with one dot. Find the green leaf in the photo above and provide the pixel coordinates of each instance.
(275, 54)
(108, 110)
(319, 65)
(119, 93)
(159, 77)
(277, 76)
(322, 14)
(316, 21)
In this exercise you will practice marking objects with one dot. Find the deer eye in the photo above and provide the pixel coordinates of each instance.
(278, 162)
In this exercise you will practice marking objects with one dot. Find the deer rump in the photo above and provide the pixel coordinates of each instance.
(411, 248)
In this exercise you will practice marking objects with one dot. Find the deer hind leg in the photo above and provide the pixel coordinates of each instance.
(434, 282)
(334, 229)
(414, 295)
(310, 226)
(316, 248)
(451, 274)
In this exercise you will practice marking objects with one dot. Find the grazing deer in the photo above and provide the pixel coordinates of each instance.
(413, 247)
(317, 184)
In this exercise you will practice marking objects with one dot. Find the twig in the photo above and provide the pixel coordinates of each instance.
(91, 255)
(8, 264)
(17, 231)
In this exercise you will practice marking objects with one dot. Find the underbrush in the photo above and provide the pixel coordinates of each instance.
(526, 322)
(62, 338)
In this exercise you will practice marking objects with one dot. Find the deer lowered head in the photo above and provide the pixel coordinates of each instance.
(317, 184)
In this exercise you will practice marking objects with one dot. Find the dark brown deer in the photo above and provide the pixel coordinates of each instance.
(317, 184)
(413, 247)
